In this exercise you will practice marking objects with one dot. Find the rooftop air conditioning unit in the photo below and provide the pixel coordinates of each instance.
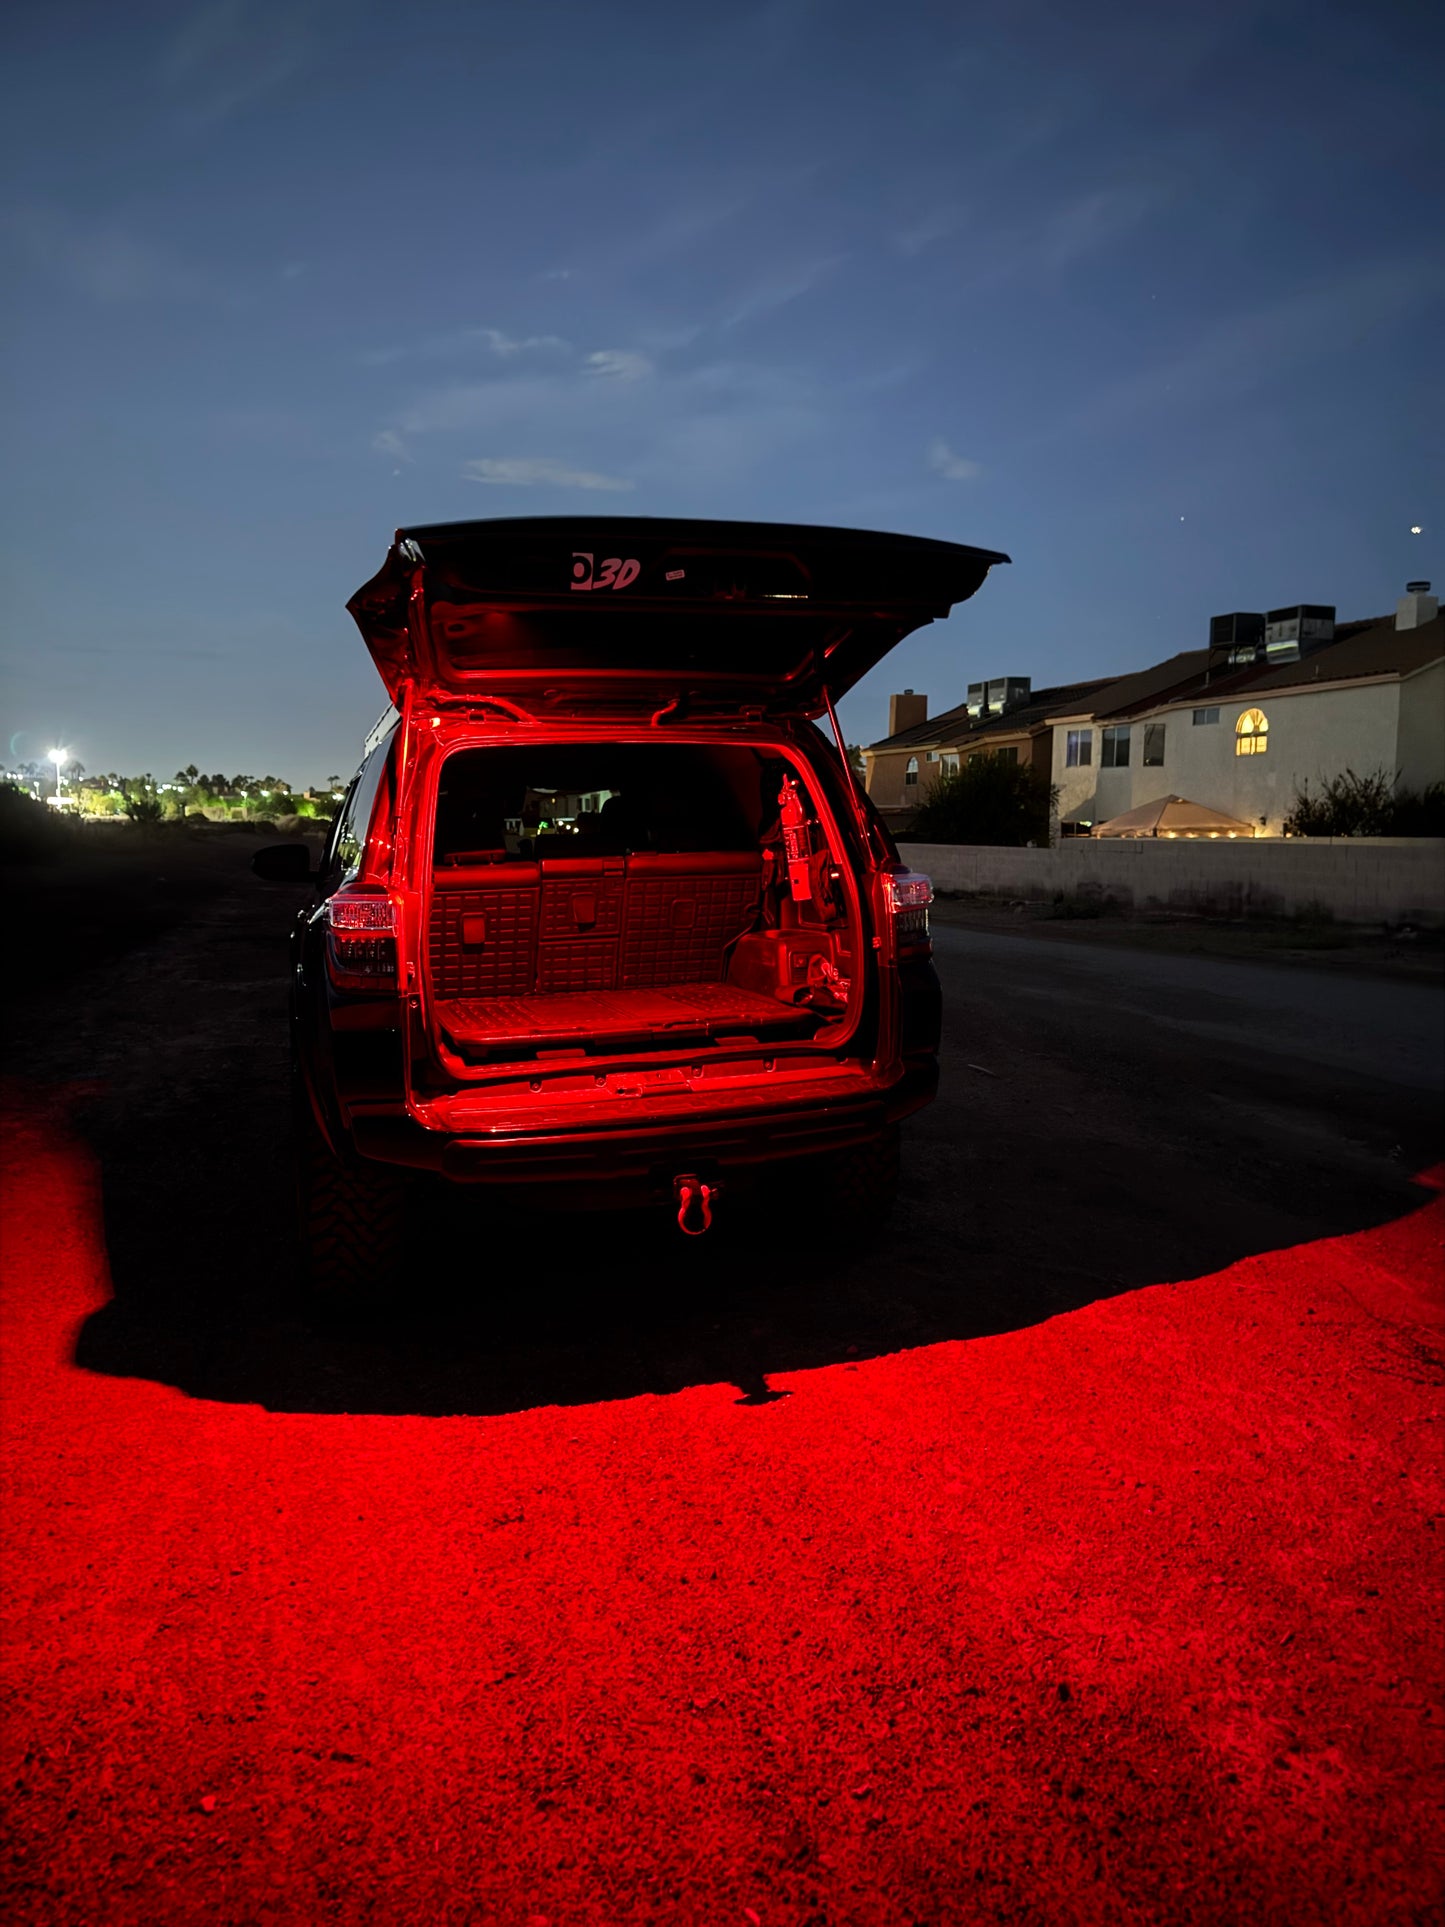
(1008, 692)
(996, 698)
(1241, 630)
(1292, 633)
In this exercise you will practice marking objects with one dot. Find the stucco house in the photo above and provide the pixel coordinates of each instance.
(1271, 703)
(1275, 702)
(1006, 718)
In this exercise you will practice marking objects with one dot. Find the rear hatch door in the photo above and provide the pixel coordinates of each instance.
(571, 613)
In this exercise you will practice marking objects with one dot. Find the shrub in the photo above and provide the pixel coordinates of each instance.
(988, 801)
(1419, 812)
(1370, 805)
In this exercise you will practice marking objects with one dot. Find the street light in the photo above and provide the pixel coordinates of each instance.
(59, 757)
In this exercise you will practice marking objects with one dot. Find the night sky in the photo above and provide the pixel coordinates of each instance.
(1149, 298)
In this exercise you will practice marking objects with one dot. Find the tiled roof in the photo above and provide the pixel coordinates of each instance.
(1377, 650)
(1373, 647)
(1157, 684)
(1370, 647)
(955, 725)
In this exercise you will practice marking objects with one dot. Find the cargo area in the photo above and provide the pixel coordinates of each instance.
(595, 897)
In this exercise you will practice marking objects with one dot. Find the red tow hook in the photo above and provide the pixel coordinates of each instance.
(693, 1195)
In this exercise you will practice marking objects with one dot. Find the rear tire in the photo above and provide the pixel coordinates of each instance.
(353, 1221)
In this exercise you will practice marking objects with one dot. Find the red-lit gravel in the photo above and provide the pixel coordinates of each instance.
(1129, 1617)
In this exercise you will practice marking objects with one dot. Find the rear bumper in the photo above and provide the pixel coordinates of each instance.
(641, 1157)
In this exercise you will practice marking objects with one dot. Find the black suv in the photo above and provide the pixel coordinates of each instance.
(605, 913)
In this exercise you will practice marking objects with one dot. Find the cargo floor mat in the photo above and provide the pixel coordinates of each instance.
(614, 1016)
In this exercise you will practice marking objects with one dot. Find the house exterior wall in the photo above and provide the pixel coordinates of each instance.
(1077, 787)
(883, 776)
(1313, 735)
(1389, 880)
(1421, 749)
(885, 770)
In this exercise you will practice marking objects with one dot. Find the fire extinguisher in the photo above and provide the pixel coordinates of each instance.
(797, 842)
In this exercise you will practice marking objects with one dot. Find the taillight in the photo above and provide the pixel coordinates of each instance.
(361, 941)
(909, 894)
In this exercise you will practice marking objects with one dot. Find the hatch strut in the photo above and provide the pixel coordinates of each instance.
(514, 710)
(859, 812)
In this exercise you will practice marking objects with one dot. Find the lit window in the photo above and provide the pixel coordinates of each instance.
(930, 756)
(1210, 715)
(1116, 748)
(1079, 749)
(950, 762)
(1251, 733)
(1153, 745)
(910, 774)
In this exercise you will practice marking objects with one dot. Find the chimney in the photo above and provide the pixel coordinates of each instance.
(1416, 606)
(906, 710)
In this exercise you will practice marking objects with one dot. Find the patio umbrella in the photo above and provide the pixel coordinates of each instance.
(1172, 816)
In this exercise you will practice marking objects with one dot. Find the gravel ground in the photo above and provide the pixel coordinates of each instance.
(1072, 1557)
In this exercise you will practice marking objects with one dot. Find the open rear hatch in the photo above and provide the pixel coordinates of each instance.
(563, 614)
(632, 894)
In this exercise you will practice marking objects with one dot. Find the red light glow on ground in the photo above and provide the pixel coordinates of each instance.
(1126, 1617)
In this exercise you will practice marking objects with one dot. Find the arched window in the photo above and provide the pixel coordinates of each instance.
(1251, 733)
(910, 774)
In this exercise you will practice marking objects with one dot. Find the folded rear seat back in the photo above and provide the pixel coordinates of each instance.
(581, 919)
(589, 923)
(683, 911)
(482, 930)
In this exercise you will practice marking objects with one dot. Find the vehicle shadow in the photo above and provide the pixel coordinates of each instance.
(504, 1309)
(1075, 1168)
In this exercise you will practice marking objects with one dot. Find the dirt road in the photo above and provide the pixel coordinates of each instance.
(1074, 1556)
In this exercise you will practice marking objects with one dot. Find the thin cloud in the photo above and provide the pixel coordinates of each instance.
(928, 232)
(1042, 251)
(538, 472)
(725, 421)
(461, 341)
(506, 345)
(388, 442)
(105, 262)
(1246, 351)
(229, 55)
(1091, 222)
(953, 468)
(783, 290)
(619, 364)
(502, 405)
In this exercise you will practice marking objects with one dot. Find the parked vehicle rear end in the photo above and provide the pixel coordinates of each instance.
(605, 914)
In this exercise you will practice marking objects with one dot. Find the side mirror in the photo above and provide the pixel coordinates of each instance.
(283, 863)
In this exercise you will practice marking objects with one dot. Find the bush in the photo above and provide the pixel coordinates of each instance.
(1368, 805)
(1419, 812)
(988, 801)
(100, 803)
